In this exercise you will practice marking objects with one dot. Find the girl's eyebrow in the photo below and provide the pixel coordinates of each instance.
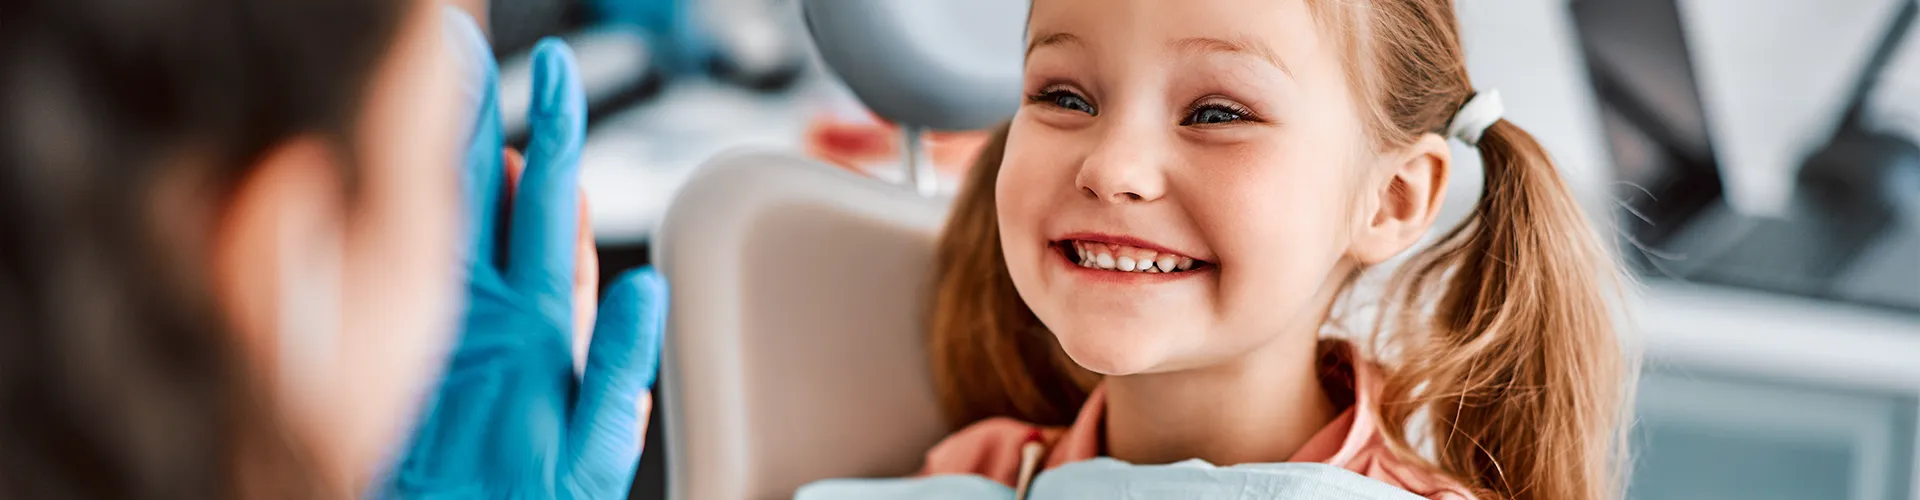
(1233, 45)
(1054, 38)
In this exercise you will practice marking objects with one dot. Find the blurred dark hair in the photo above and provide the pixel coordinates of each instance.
(124, 127)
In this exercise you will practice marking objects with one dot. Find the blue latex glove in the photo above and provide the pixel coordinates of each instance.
(510, 420)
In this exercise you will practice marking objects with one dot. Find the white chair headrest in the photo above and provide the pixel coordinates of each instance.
(795, 347)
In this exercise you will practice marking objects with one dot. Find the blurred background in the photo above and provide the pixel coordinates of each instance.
(1755, 160)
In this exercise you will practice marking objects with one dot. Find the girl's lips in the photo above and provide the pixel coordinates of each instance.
(1092, 257)
(1117, 239)
(1063, 256)
(1120, 277)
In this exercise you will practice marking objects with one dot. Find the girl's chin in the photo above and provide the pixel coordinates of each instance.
(1113, 357)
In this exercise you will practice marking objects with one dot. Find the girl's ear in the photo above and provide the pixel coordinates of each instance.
(1405, 201)
(285, 219)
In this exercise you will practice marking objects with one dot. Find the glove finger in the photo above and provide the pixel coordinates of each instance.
(481, 169)
(586, 275)
(546, 216)
(614, 484)
(604, 445)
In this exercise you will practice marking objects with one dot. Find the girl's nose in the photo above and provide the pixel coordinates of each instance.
(1125, 167)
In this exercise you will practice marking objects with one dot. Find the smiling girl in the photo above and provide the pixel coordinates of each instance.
(1188, 191)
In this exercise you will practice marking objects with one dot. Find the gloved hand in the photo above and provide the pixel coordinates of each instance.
(510, 419)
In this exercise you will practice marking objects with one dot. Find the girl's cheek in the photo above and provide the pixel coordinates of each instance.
(1024, 200)
(1021, 183)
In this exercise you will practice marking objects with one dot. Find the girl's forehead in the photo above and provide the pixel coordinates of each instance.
(1284, 33)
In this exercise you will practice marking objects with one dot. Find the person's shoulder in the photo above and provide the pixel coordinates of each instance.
(989, 448)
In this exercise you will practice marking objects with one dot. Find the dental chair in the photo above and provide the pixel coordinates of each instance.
(795, 341)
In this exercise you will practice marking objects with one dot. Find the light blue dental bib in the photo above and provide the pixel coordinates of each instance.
(1106, 479)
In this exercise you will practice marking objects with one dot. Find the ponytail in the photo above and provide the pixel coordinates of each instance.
(1506, 339)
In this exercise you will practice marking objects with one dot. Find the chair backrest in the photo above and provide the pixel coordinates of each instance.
(795, 346)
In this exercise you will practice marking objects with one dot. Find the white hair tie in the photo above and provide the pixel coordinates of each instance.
(1476, 116)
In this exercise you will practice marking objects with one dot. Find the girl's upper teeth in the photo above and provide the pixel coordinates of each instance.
(1128, 259)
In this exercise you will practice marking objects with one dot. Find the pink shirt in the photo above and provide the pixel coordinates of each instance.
(991, 447)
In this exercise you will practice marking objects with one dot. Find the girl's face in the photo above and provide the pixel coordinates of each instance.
(1213, 139)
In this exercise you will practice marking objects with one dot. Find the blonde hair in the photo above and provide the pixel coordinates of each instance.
(1503, 338)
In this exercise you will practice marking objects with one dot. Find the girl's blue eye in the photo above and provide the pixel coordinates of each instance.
(1213, 114)
(1066, 100)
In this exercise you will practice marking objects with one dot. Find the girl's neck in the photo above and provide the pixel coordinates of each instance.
(1262, 407)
